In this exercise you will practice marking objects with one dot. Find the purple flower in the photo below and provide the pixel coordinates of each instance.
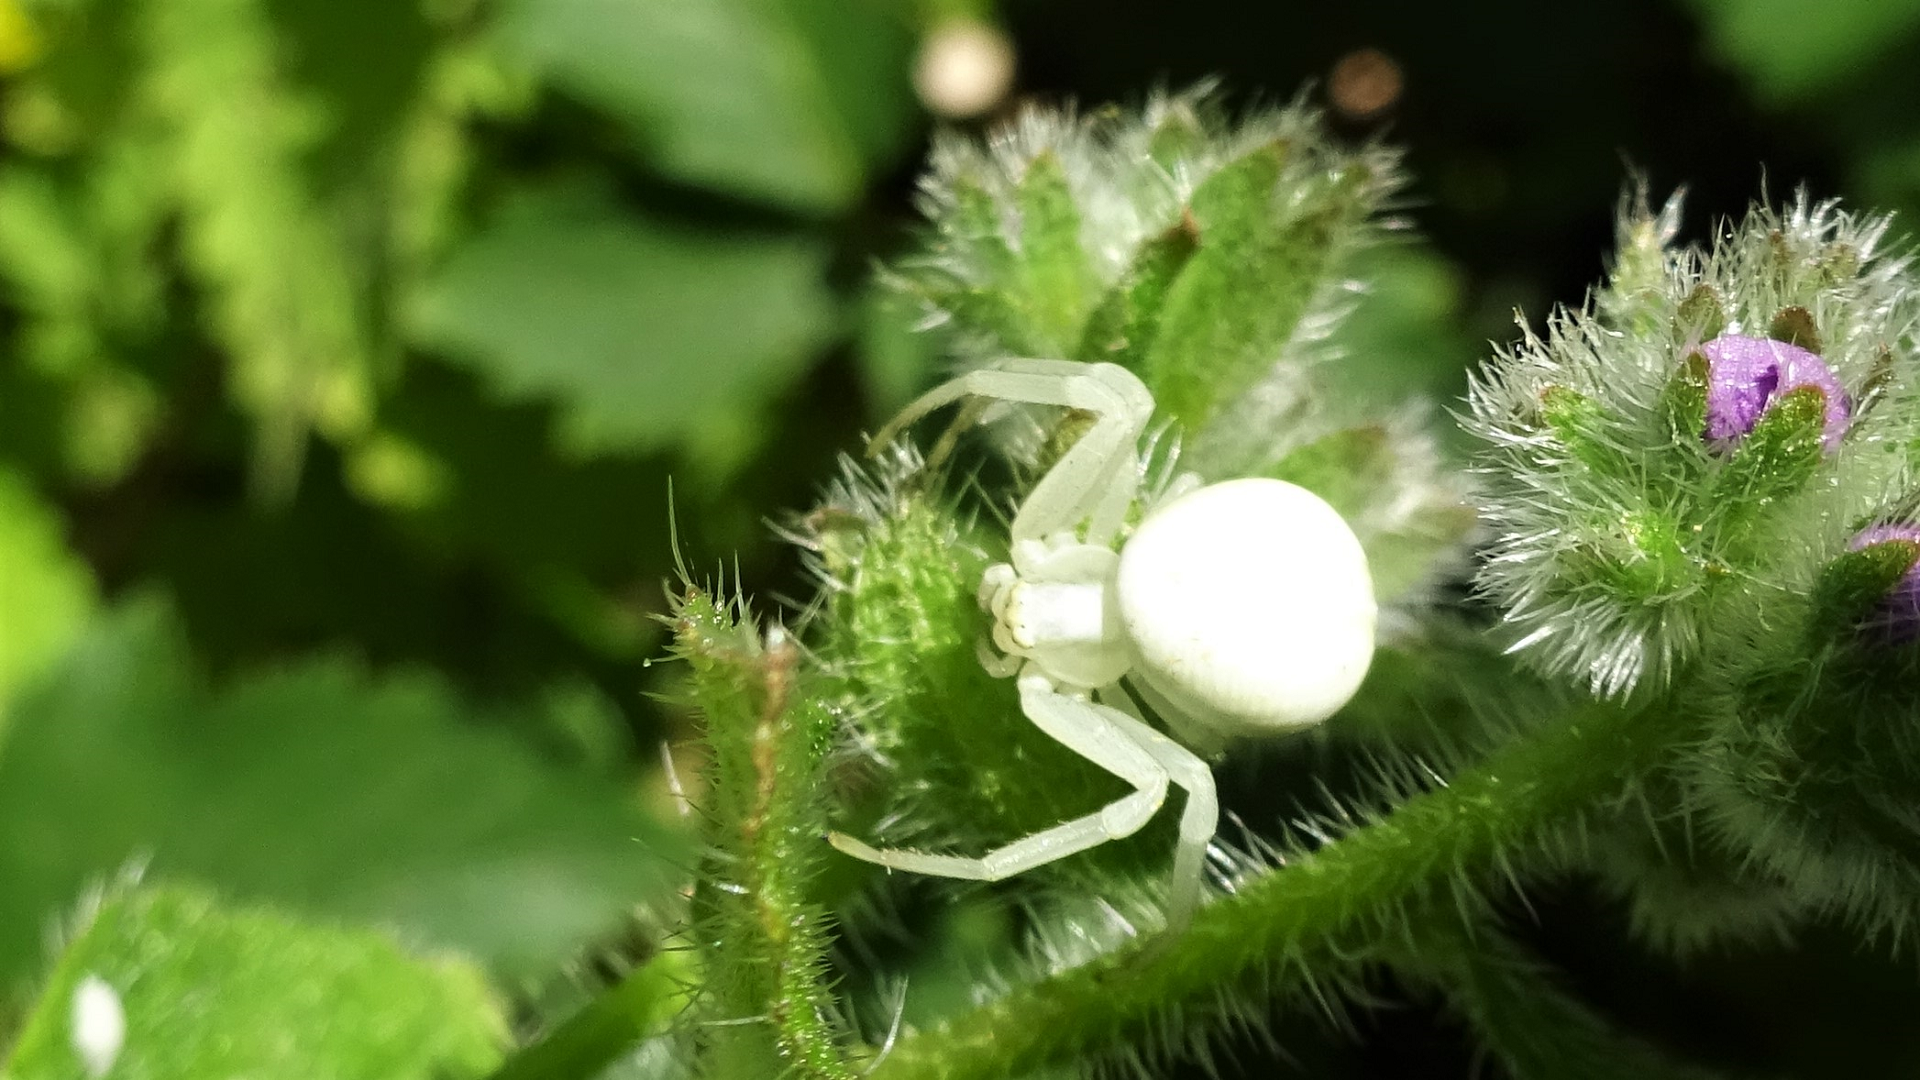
(1745, 375)
(1899, 612)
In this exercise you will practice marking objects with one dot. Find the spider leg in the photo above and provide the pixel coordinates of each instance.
(1096, 479)
(1095, 732)
(1198, 822)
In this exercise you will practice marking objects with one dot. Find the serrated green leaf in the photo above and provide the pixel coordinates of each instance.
(286, 290)
(317, 787)
(206, 990)
(647, 335)
(45, 591)
(768, 99)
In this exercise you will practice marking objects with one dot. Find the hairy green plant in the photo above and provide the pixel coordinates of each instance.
(1691, 517)
(1682, 479)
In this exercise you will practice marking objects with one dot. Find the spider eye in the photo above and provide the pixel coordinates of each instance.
(1249, 605)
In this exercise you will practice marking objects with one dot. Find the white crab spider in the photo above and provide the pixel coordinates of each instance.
(1238, 608)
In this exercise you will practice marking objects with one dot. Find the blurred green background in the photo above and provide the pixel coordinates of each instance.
(349, 348)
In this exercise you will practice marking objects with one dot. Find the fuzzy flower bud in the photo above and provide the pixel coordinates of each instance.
(1899, 612)
(1746, 375)
(1644, 464)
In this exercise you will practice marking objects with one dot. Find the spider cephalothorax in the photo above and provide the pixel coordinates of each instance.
(1237, 608)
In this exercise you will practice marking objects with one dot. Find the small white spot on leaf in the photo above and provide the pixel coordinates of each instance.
(99, 1025)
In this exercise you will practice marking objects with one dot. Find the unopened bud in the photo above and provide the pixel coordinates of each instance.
(1746, 375)
(1898, 613)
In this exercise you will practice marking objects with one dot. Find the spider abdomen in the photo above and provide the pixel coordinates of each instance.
(1249, 606)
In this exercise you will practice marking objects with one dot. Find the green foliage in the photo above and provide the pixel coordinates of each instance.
(208, 989)
(369, 334)
(650, 335)
(45, 595)
(317, 787)
(1791, 51)
(1269, 223)
(790, 101)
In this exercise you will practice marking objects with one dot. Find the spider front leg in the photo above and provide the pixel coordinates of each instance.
(1198, 822)
(1096, 480)
(1099, 733)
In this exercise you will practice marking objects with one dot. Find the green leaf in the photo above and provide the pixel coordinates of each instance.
(1345, 468)
(1855, 582)
(1125, 321)
(1055, 277)
(777, 100)
(1202, 337)
(212, 991)
(315, 786)
(45, 591)
(647, 334)
(1776, 459)
(1683, 401)
(1792, 50)
(1583, 426)
(285, 289)
(1212, 344)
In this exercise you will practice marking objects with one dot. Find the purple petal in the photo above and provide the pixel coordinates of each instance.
(1746, 374)
(1899, 613)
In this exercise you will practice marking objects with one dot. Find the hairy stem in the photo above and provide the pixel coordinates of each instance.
(1241, 945)
(765, 1010)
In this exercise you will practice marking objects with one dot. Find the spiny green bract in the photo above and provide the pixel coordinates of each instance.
(1811, 769)
(1624, 535)
(1135, 239)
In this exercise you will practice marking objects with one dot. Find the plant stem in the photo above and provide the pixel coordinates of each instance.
(765, 1007)
(1242, 945)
